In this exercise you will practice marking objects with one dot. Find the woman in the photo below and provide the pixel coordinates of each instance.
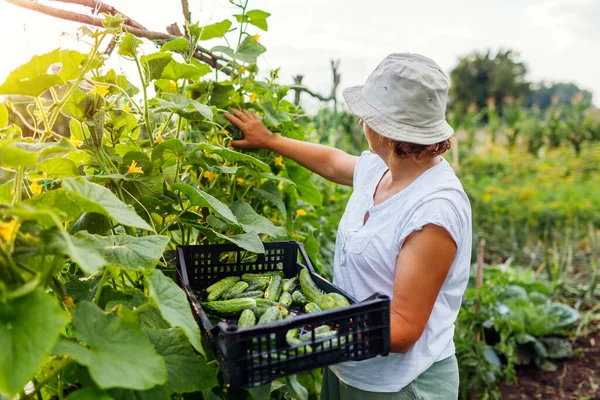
(406, 230)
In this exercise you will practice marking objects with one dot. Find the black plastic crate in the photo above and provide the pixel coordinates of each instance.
(255, 356)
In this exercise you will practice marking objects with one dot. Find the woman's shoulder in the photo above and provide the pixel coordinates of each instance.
(368, 164)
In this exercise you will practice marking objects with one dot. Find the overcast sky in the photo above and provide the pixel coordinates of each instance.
(558, 39)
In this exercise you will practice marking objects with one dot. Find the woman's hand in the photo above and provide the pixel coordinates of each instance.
(256, 134)
(333, 164)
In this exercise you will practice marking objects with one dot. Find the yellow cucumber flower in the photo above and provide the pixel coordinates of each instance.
(300, 212)
(279, 161)
(209, 175)
(133, 168)
(7, 229)
(36, 189)
(102, 90)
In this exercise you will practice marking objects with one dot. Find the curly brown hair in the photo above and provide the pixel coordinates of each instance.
(420, 152)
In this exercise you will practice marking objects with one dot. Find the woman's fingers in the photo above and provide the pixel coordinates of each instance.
(240, 115)
(235, 120)
(240, 143)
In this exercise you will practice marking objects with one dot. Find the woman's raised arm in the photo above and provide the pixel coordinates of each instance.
(332, 164)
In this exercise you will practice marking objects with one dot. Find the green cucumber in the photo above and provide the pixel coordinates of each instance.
(266, 302)
(309, 288)
(235, 290)
(271, 314)
(275, 287)
(317, 331)
(292, 334)
(258, 284)
(312, 308)
(302, 349)
(224, 281)
(340, 300)
(222, 286)
(247, 319)
(299, 299)
(249, 276)
(290, 284)
(326, 302)
(308, 336)
(259, 310)
(229, 307)
(285, 299)
(284, 311)
(255, 294)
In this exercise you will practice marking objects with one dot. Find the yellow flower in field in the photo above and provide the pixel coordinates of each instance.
(256, 37)
(279, 161)
(102, 90)
(75, 142)
(226, 132)
(126, 108)
(300, 212)
(253, 97)
(133, 168)
(7, 230)
(273, 219)
(240, 181)
(241, 70)
(35, 188)
(173, 86)
(209, 175)
(487, 197)
(68, 301)
(159, 139)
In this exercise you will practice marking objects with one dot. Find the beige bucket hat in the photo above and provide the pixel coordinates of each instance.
(404, 99)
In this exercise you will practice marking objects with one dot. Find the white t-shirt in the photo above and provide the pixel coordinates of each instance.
(365, 263)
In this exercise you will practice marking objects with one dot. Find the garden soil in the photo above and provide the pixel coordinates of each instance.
(576, 378)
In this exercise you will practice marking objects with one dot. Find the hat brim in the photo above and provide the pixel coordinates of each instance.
(389, 128)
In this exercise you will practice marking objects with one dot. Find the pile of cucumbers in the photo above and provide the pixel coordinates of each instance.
(260, 298)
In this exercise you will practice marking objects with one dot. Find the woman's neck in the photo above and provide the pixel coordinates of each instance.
(402, 172)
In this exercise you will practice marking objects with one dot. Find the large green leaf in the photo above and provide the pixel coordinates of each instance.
(171, 148)
(133, 298)
(566, 314)
(13, 156)
(183, 106)
(251, 221)
(33, 78)
(129, 45)
(200, 198)
(295, 388)
(302, 178)
(174, 307)
(231, 155)
(83, 289)
(116, 351)
(103, 201)
(248, 241)
(127, 252)
(257, 18)
(211, 31)
(272, 116)
(163, 66)
(54, 168)
(249, 50)
(179, 44)
(29, 328)
(83, 254)
(188, 371)
(269, 191)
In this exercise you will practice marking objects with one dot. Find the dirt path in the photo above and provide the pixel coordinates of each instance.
(577, 378)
